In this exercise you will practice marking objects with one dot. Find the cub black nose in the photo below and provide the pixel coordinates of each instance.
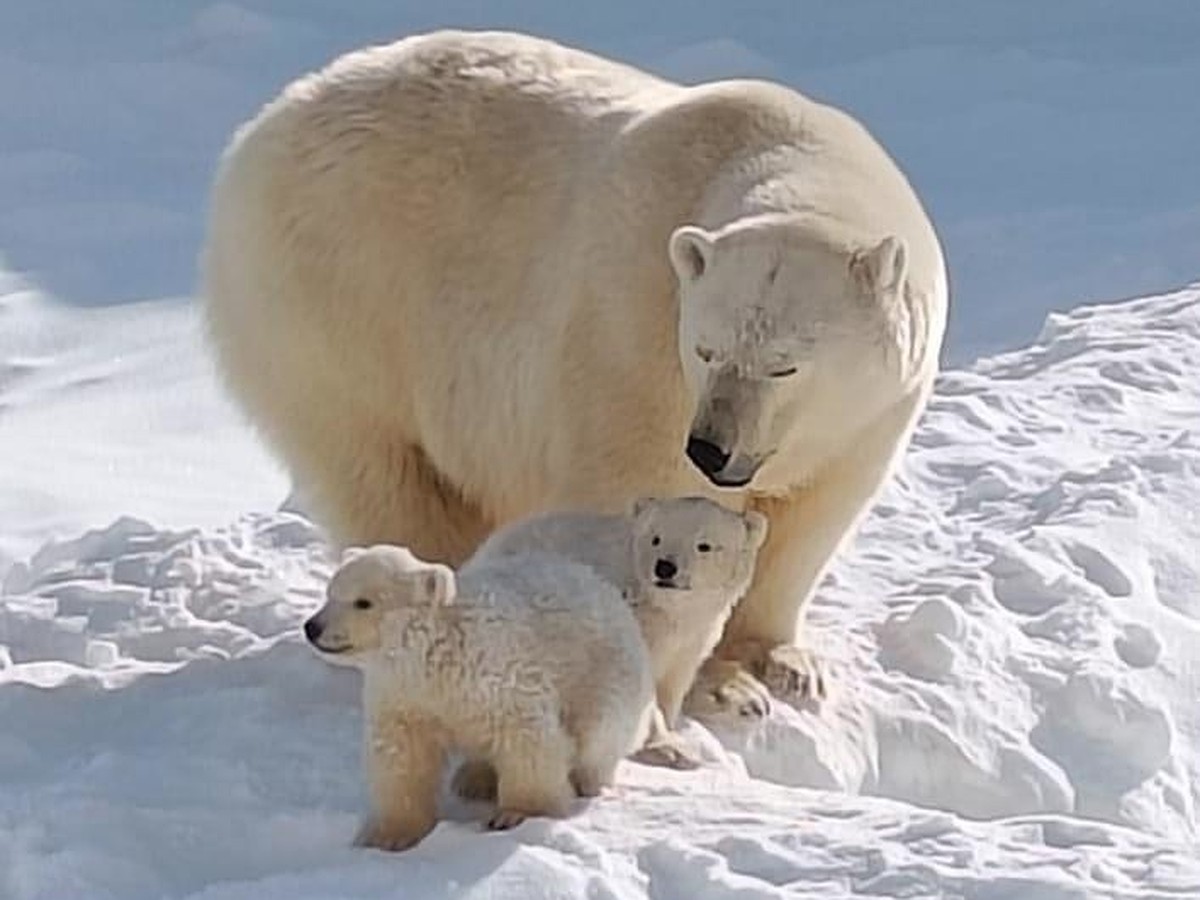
(706, 456)
(312, 630)
(665, 569)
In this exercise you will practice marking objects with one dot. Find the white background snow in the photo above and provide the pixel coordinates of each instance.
(1016, 631)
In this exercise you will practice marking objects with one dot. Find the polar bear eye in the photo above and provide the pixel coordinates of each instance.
(704, 546)
(655, 541)
(362, 603)
(784, 373)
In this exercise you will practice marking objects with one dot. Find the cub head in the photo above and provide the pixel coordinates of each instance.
(370, 584)
(784, 333)
(694, 544)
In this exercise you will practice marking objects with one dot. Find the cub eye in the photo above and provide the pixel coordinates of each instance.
(704, 546)
(362, 603)
(655, 541)
(784, 373)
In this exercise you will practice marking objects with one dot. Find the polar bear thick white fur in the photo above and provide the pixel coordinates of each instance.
(533, 666)
(472, 276)
(681, 562)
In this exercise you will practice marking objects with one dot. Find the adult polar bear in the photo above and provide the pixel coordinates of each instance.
(471, 276)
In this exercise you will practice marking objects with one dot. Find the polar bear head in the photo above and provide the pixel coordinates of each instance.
(694, 544)
(785, 329)
(369, 585)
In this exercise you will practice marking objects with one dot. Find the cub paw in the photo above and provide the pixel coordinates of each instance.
(378, 834)
(669, 755)
(588, 782)
(504, 819)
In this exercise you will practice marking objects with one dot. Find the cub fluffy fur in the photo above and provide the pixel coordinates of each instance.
(681, 562)
(532, 665)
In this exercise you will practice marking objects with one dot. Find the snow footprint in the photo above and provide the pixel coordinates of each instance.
(1099, 568)
(1104, 733)
(923, 642)
(1137, 646)
(1027, 582)
(676, 869)
(926, 762)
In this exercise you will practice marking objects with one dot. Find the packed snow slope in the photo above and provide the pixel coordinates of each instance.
(1015, 635)
(105, 410)
(1054, 143)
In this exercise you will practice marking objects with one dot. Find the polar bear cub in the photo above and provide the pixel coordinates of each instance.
(682, 563)
(533, 665)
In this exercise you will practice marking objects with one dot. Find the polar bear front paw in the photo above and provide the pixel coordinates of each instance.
(793, 673)
(724, 687)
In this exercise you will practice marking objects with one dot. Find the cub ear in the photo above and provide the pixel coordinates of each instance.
(642, 505)
(691, 250)
(756, 528)
(881, 270)
(439, 584)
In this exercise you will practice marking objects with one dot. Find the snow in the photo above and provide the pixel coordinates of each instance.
(107, 410)
(1014, 636)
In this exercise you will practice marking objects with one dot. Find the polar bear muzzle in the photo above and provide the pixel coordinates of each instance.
(730, 434)
(719, 465)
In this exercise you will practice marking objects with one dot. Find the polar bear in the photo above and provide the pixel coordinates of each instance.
(681, 562)
(468, 277)
(532, 665)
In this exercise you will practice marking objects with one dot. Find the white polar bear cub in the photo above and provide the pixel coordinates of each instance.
(681, 562)
(534, 666)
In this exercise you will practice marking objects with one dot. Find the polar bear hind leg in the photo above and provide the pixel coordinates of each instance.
(368, 485)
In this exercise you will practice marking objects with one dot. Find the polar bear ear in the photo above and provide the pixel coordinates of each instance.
(881, 269)
(439, 585)
(690, 249)
(641, 505)
(756, 528)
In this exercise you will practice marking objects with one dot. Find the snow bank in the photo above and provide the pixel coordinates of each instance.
(1019, 613)
(1015, 637)
(115, 410)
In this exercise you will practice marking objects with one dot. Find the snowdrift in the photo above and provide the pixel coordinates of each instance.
(1015, 635)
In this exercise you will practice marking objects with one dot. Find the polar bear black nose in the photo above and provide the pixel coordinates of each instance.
(312, 630)
(706, 456)
(665, 569)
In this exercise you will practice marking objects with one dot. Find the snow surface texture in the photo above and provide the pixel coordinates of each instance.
(1054, 143)
(1015, 634)
(107, 411)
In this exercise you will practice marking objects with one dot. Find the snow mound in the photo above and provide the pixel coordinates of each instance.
(117, 600)
(1014, 636)
(1018, 617)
